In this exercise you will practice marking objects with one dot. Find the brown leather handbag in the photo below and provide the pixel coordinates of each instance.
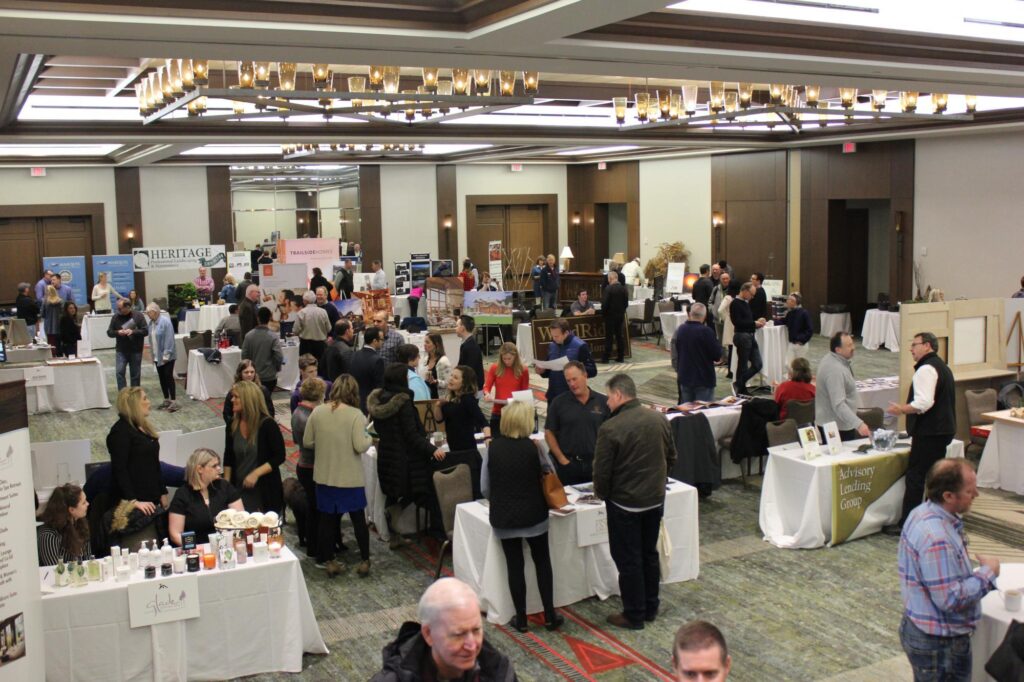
(553, 491)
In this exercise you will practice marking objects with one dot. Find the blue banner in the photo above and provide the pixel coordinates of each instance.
(72, 273)
(120, 273)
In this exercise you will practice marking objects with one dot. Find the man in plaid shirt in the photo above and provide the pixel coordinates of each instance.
(941, 592)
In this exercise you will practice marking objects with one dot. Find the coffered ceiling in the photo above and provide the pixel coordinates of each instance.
(68, 72)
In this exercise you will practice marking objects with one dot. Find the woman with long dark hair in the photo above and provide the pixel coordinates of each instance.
(246, 371)
(438, 366)
(70, 330)
(460, 410)
(64, 535)
(404, 452)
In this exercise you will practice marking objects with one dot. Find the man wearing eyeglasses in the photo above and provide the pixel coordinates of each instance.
(931, 418)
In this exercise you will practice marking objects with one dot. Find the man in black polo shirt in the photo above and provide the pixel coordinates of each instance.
(748, 355)
(571, 426)
(931, 418)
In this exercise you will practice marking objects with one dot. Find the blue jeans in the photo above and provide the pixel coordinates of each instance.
(936, 659)
(688, 394)
(134, 364)
(549, 298)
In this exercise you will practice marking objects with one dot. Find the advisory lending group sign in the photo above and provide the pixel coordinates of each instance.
(148, 258)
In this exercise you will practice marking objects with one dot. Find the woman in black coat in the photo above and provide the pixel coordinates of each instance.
(511, 480)
(462, 417)
(254, 451)
(135, 456)
(318, 280)
(404, 451)
(70, 330)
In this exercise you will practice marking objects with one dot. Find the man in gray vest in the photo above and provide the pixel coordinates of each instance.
(931, 418)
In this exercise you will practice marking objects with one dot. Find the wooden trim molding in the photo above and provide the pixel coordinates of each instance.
(447, 212)
(371, 232)
(128, 197)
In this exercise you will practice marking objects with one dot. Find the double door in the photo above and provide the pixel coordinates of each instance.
(27, 240)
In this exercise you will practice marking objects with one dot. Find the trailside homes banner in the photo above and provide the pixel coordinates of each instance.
(148, 258)
(314, 252)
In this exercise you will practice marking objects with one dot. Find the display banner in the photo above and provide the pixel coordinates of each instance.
(239, 263)
(149, 258)
(315, 253)
(488, 307)
(494, 262)
(373, 302)
(858, 483)
(589, 328)
(277, 276)
(21, 624)
(120, 273)
(72, 272)
(674, 278)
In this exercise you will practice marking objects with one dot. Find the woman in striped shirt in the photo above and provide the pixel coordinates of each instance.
(64, 534)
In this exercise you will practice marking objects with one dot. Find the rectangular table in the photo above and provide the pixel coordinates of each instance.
(796, 497)
(670, 321)
(256, 618)
(579, 572)
(76, 386)
(995, 621)
(29, 354)
(207, 380)
(1001, 465)
(881, 327)
(94, 331)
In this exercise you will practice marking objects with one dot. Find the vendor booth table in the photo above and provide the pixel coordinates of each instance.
(77, 385)
(213, 380)
(1002, 460)
(256, 618)
(205, 317)
(995, 621)
(94, 332)
(881, 327)
(773, 342)
(581, 562)
(833, 323)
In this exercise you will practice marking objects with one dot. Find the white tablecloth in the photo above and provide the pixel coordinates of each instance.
(832, 323)
(94, 332)
(579, 572)
(29, 354)
(670, 321)
(643, 292)
(400, 305)
(1002, 464)
(635, 309)
(211, 380)
(995, 620)
(880, 392)
(254, 619)
(75, 387)
(773, 343)
(796, 497)
(181, 359)
(881, 327)
(206, 317)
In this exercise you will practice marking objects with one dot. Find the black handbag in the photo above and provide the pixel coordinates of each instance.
(1007, 663)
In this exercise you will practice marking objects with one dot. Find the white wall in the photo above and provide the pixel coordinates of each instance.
(66, 186)
(174, 213)
(408, 213)
(498, 179)
(967, 214)
(675, 205)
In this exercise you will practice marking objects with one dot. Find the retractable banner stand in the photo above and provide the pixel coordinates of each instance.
(314, 252)
(21, 618)
(120, 273)
(72, 273)
(239, 263)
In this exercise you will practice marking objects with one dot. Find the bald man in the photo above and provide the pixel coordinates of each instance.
(448, 642)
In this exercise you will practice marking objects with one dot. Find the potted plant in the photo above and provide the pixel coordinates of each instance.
(657, 267)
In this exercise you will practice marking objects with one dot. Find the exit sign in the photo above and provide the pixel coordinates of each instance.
(516, 167)
(37, 172)
(849, 147)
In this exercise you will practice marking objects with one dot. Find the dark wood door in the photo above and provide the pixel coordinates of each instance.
(514, 226)
(30, 239)
(848, 258)
(489, 225)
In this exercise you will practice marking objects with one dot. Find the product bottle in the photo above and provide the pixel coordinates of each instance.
(80, 578)
(115, 556)
(93, 570)
(166, 553)
(240, 551)
(143, 554)
(60, 574)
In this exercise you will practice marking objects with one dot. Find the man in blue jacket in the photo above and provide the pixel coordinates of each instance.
(798, 322)
(695, 349)
(565, 344)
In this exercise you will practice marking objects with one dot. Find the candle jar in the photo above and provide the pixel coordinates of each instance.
(275, 548)
(180, 563)
(192, 563)
(166, 570)
(150, 572)
(240, 550)
(209, 561)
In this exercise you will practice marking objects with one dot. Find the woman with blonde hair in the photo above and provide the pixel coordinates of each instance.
(254, 450)
(204, 495)
(511, 482)
(101, 292)
(227, 292)
(337, 433)
(504, 377)
(64, 534)
(134, 448)
(53, 309)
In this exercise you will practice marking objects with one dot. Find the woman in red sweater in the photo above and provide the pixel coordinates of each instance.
(504, 377)
(799, 386)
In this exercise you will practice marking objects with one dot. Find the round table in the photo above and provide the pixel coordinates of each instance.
(995, 620)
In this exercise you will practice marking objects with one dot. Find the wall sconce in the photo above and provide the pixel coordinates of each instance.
(447, 222)
(129, 234)
(899, 221)
(576, 218)
(717, 219)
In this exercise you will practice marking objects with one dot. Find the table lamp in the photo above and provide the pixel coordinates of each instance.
(566, 256)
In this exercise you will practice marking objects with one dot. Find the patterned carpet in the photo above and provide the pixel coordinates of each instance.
(828, 614)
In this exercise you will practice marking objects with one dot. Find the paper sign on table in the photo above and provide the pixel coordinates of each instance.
(809, 442)
(41, 375)
(591, 525)
(835, 443)
(163, 601)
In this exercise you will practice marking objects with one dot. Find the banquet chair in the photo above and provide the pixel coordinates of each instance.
(874, 417)
(978, 403)
(641, 323)
(663, 307)
(453, 487)
(801, 411)
(782, 432)
(192, 343)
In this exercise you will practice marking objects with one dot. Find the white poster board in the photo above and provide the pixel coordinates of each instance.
(277, 276)
(20, 605)
(239, 263)
(163, 600)
(674, 278)
(772, 288)
(494, 263)
(188, 443)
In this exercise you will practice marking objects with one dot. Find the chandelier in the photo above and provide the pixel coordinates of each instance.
(252, 90)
